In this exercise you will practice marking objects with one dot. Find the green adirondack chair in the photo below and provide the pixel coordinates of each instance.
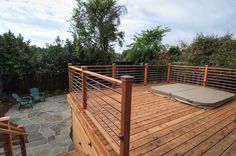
(36, 95)
(22, 101)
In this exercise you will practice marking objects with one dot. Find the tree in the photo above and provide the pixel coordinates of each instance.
(211, 50)
(174, 53)
(14, 57)
(95, 29)
(56, 56)
(147, 46)
(19, 60)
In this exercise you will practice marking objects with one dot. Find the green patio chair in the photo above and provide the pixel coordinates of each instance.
(36, 95)
(22, 101)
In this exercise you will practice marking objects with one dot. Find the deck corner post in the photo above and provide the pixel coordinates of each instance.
(23, 147)
(69, 77)
(205, 76)
(126, 96)
(113, 74)
(84, 86)
(168, 72)
(145, 74)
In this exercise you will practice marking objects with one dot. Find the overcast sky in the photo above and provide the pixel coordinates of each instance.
(42, 21)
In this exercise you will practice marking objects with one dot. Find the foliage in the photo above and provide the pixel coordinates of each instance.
(147, 47)
(211, 50)
(174, 54)
(56, 56)
(14, 56)
(95, 29)
(18, 58)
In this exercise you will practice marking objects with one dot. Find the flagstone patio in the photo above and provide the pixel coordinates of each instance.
(47, 124)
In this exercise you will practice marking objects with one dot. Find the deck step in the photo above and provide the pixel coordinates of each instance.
(74, 153)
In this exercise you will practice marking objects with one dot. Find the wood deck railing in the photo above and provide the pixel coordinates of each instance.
(107, 102)
(10, 135)
(219, 78)
(105, 94)
(142, 73)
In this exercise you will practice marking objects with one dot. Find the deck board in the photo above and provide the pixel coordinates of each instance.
(160, 126)
(222, 145)
(231, 150)
(167, 127)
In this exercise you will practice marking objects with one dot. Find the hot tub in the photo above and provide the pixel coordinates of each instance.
(194, 95)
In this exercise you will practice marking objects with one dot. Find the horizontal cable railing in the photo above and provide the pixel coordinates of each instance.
(219, 78)
(187, 74)
(75, 84)
(104, 103)
(104, 70)
(157, 73)
(134, 70)
(222, 78)
(142, 73)
(107, 101)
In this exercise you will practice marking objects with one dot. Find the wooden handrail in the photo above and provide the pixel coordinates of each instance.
(6, 131)
(130, 65)
(222, 68)
(157, 65)
(201, 67)
(98, 66)
(11, 127)
(75, 68)
(109, 79)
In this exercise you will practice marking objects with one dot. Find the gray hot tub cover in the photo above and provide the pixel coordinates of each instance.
(194, 95)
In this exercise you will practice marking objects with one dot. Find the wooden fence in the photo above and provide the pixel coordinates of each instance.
(45, 82)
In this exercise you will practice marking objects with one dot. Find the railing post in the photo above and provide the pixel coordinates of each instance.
(9, 141)
(113, 74)
(168, 72)
(22, 146)
(22, 142)
(84, 87)
(205, 76)
(145, 74)
(69, 77)
(126, 95)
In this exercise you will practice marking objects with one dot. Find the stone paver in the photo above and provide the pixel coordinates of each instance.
(47, 124)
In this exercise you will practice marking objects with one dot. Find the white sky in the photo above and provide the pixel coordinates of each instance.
(42, 21)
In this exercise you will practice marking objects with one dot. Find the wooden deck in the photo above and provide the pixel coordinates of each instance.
(160, 126)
